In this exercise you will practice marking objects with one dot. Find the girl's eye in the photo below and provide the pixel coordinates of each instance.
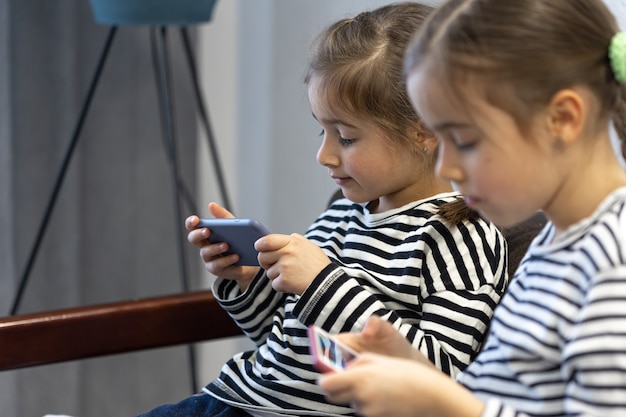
(468, 146)
(342, 141)
(464, 142)
(346, 142)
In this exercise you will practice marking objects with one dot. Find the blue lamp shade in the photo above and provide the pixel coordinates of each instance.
(152, 12)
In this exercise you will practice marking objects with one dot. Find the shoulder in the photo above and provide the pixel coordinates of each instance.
(338, 216)
(606, 228)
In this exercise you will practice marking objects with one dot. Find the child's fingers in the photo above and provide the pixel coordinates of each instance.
(191, 222)
(337, 387)
(219, 212)
(213, 251)
(271, 242)
(269, 251)
(198, 237)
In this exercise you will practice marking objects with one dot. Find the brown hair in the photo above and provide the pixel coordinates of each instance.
(359, 62)
(521, 52)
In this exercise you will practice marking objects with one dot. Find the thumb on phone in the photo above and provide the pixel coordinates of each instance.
(219, 212)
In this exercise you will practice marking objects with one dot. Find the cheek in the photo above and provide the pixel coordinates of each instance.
(483, 172)
(360, 166)
(361, 159)
(499, 177)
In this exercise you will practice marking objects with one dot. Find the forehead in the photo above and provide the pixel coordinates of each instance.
(443, 105)
(326, 104)
(434, 98)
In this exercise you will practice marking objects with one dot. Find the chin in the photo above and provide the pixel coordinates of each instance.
(355, 198)
(505, 219)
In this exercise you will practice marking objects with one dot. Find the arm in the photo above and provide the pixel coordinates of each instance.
(448, 338)
(458, 274)
(377, 386)
(407, 385)
(462, 284)
(253, 309)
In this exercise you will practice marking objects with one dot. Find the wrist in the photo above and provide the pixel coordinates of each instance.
(448, 398)
(460, 403)
(246, 279)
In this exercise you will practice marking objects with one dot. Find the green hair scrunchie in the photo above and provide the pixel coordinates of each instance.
(617, 56)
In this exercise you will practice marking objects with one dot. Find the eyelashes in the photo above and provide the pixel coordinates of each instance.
(342, 141)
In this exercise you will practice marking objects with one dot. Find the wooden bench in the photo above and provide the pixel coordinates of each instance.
(104, 329)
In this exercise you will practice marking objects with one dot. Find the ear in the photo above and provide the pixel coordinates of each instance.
(567, 112)
(426, 138)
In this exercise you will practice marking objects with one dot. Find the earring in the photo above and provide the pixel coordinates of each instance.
(425, 149)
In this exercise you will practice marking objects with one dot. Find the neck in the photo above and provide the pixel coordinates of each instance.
(417, 192)
(585, 187)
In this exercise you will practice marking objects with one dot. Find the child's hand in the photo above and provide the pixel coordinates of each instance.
(291, 261)
(212, 254)
(379, 336)
(377, 386)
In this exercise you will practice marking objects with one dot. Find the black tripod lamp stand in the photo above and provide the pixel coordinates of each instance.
(159, 16)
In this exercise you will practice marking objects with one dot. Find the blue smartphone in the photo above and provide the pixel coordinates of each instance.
(240, 234)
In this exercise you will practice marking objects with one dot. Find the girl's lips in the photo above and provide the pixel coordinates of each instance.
(341, 180)
(471, 201)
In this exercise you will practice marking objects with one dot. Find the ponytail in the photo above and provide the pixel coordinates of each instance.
(455, 212)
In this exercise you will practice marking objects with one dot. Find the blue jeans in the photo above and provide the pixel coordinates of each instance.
(199, 405)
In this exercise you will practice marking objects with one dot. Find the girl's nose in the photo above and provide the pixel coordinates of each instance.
(447, 167)
(326, 156)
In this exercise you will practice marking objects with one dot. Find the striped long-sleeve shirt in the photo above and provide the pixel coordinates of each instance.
(558, 341)
(437, 284)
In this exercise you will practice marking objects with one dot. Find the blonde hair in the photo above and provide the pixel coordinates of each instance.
(521, 52)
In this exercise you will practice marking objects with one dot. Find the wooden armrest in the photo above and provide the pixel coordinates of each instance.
(83, 332)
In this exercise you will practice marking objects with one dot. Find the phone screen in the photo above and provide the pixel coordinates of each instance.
(328, 353)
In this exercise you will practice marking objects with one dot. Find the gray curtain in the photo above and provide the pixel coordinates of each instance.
(112, 234)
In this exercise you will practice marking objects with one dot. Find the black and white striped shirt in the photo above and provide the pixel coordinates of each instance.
(437, 284)
(558, 341)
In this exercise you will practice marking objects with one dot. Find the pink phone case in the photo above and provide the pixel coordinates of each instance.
(329, 354)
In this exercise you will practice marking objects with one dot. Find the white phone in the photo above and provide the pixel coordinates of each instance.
(329, 354)
(240, 234)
